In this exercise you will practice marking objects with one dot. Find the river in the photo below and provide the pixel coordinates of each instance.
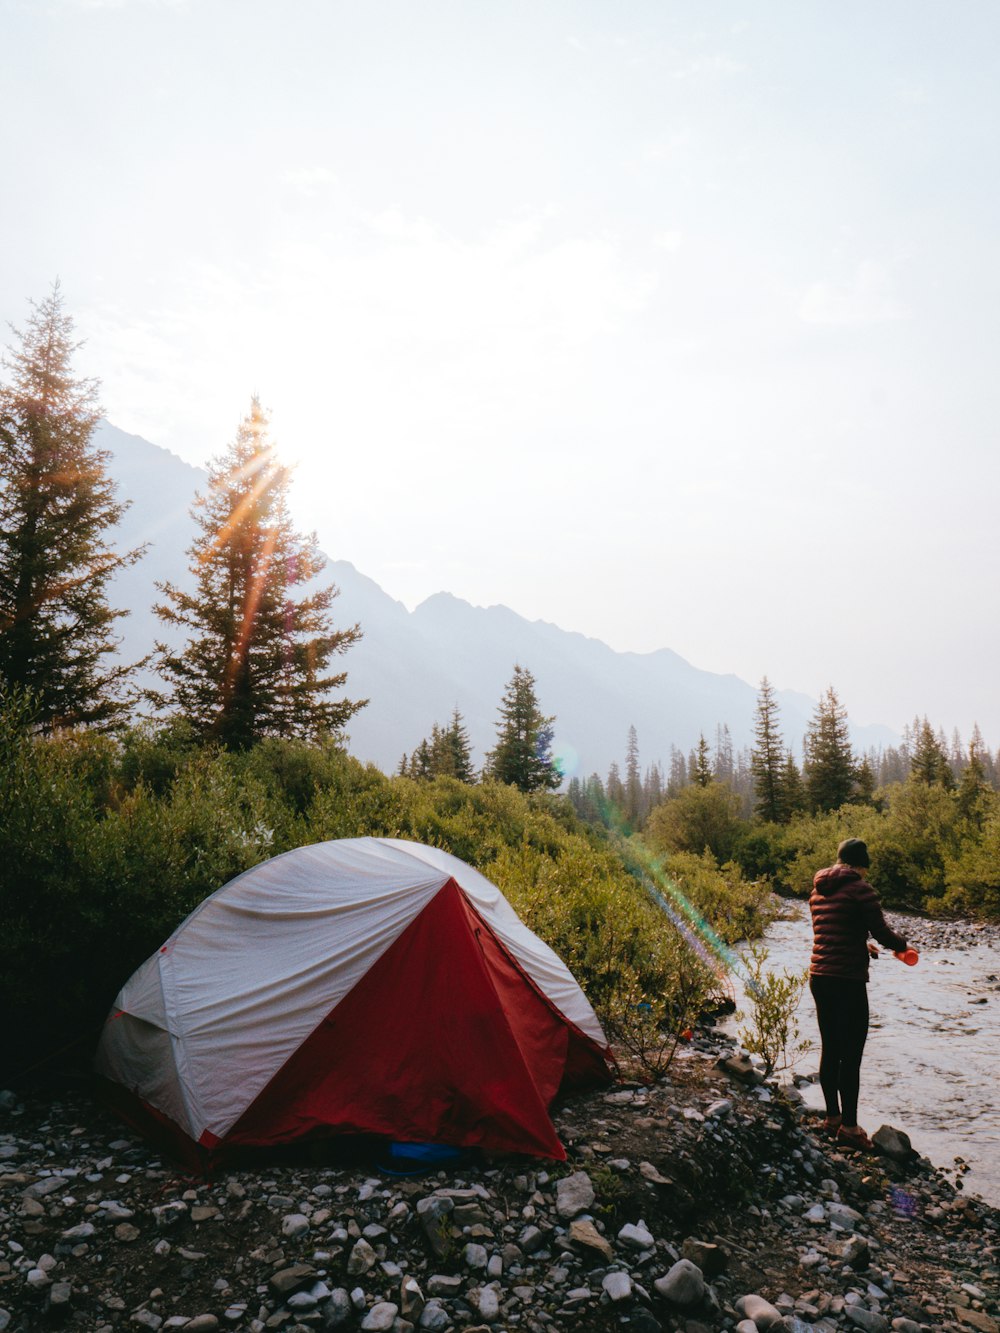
(933, 1054)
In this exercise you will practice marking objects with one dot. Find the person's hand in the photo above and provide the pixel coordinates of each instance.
(873, 949)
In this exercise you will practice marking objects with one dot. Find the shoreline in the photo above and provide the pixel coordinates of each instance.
(707, 1201)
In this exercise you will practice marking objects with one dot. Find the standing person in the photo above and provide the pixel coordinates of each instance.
(845, 911)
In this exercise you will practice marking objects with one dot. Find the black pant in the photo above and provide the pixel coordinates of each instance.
(842, 1013)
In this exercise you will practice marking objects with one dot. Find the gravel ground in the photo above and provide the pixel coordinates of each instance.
(708, 1201)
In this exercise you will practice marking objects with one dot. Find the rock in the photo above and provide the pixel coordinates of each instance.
(746, 1326)
(741, 1068)
(636, 1237)
(618, 1286)
(147, 1319)
(976, 1319)
(574, 1195)
(894, 1143)
(489, 1304)
(902, 1325)
(60, 1295)
(301, 1300)
(380, 1318)
(411, 1298)
(169, 1214)
(683, 1285)
(586, 1235)
(762, 1312)
(82, 1232)
(649, 1172)
(712, 1259)
(338, 1308)
(642, 1320)
(443, 1284)
(530, 1240)
(434, 1317)
(475, 1257)
(287, 1280)
(856, 1252)
(5, 1318)
(294, 1225)
(127, 1233)
(362, 1258)
(866, 1319)
(434, 1213)
(202, 1323)
(203, 1212)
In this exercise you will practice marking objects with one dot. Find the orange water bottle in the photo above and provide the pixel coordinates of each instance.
(907, 956)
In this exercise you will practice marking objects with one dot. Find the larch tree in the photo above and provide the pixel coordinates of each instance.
(522, 756)
(830, 769)
(256, 653)
(57, 512)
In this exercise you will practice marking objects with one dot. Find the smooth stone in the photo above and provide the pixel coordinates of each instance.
(762, 1312)
(638, 1237)
(683, 1284)
(894, 1143)
(294, 1225)
(287, 1280)
(443, 1284)
(202, 1323)
(380, 1318)
(338, 1308)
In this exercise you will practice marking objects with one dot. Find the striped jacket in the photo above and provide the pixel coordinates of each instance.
(845, 911)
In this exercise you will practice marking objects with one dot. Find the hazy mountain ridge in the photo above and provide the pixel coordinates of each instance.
(415, 667)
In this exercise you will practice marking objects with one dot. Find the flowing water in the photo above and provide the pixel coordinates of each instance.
(933, 1054)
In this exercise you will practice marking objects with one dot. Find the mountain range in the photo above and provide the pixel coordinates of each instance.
(416, 666)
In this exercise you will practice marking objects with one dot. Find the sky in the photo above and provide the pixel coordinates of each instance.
(675, 324)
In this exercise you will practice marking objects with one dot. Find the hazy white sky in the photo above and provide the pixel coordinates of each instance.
(673, 323)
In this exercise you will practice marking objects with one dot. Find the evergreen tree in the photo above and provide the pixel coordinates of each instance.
(865, 791)
(723, 768)
(57, 506)
(652, 788)
(973, 788)
(766, 756)
(830, 768)
(701, 766)
(678, 779)
(929, 763)
(448, 753)
(253, 664)
(615, 789)
(793, 791)
(522, 756)
(633, 780)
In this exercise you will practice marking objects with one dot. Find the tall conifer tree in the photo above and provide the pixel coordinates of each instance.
(255, 657)
(767, 756)
(523, 752)
(57, 507)
(830, 766)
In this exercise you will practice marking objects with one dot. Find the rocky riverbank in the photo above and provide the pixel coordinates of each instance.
(707, 1202)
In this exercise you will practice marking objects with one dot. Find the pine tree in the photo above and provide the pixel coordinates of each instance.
(448, 753)
(766, 756)
(723, 766)
(793, 791)
(633, 780)
(701, 766)
(973, 787)
(929, 763)
(522, 756)
(615, 788)
(57, 506)
(830, 768)
(254, 661)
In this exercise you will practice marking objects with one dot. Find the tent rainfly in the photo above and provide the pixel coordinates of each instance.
(363, 986)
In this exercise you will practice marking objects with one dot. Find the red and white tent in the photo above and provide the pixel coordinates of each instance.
(365, 986)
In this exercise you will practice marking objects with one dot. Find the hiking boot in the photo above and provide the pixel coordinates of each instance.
(853, 1136)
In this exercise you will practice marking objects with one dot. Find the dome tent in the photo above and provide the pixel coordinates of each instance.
(362, 986)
